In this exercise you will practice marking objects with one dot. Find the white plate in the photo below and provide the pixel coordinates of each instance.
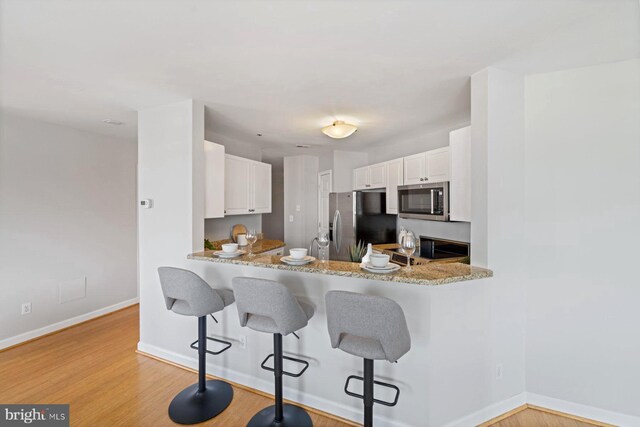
(390, 268)
(223, 254)
(292, 261)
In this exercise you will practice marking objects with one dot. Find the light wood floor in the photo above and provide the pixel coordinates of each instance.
(94, 368)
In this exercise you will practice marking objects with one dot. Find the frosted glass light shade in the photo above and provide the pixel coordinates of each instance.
(339, 129)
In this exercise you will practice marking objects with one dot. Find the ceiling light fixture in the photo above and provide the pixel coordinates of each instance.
(113, 122)
(339, 129)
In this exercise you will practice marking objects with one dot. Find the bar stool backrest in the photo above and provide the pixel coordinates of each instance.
(368, 316)
(267, 298)
(186, 287)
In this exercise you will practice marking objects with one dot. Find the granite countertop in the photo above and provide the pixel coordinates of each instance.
(428, 274)
(262, 245)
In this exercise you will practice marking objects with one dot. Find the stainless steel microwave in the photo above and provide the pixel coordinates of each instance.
(424, 201)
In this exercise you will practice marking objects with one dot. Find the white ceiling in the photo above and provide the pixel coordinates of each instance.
(287, 68)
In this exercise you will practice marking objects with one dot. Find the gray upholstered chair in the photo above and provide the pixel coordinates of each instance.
(187, 294)
(370, 327)
(268, 306)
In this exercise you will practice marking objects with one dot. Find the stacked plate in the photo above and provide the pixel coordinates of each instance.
(389, 268)
(227, 255)
(297, 261)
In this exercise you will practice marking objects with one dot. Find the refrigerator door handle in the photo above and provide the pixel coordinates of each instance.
(334, 230)
(338, 231)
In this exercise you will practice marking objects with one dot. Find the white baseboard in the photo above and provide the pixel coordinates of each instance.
(489, 412)
(584, 411)
(8, 342)
(267, 387)
(473, 419)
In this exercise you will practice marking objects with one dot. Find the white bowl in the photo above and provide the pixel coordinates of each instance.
(230, 247)
(379, 260)
(298, 253)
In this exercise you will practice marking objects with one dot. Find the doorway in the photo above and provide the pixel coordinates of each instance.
(325, 186)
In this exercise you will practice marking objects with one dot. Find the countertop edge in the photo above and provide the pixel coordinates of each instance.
(479, 273)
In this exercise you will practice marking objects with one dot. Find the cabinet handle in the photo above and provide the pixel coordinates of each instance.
(421, 179)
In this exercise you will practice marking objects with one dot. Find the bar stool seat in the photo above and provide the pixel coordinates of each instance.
(268, 306)
(267, 324)
(185, 293)
(370, 327)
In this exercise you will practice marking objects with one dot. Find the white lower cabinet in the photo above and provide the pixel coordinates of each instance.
(247, 187)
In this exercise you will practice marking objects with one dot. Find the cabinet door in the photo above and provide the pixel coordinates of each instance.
(361, 178)
(414, 169)
(214, 180)
(460, 179)
(378, 175)
(437, 165)
(261, 188)
(236, 185)
(394, 178)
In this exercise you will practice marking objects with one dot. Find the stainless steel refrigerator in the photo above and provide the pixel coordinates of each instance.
(358, 216)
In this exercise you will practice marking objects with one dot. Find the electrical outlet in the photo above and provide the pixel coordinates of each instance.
(290, 218)
(26, 308)
(499, 371)
(242, 339)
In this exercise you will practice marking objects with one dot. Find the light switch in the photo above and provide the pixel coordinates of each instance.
(146, 203)
(297, 208)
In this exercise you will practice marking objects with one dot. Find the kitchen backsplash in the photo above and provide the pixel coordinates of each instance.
(220, 228)
(460, 231)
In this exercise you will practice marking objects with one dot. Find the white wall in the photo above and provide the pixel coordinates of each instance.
(582, 234)
(171, 172)
(300, 190)
(344, 162)
(67, 211)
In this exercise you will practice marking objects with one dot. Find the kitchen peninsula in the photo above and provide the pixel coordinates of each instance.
(434, 273)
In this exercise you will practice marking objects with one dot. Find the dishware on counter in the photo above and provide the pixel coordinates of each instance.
(251, 237)
(378, 260)
(242, 239)
(236, 230)
(389, 268)
(229, 255)
(298, 253)
(289, 260)
(229, 247)
(365, 258)
(408, 245)
(323, 247)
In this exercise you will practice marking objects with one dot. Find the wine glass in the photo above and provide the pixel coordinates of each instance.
(251, 237)
(408, 244)
(323, 244)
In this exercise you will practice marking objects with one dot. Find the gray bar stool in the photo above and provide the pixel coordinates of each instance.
(268, 306)
(370, 327)
(187, 294)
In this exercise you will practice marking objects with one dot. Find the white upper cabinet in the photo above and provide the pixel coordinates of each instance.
(460, 179)
(247, 186)
(414, 169)
(361, 178)
(236, 185)
(394, 179)
(430, 166)
(378, 175)
(437, 164)
(214, 180)
(261, 188)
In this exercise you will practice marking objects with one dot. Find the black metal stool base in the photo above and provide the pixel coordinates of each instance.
(292, 416)
(192, 407)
